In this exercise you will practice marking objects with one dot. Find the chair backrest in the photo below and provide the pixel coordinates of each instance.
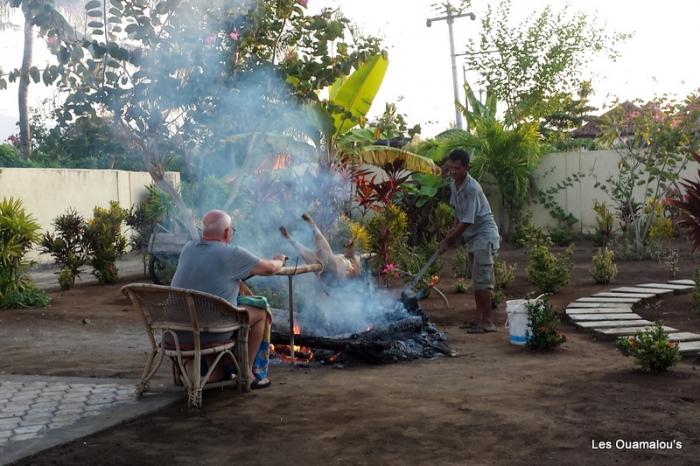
(165, 307)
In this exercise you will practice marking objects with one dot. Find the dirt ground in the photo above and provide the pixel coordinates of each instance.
(493, 404)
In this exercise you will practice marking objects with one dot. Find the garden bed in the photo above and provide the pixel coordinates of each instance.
(494, 403)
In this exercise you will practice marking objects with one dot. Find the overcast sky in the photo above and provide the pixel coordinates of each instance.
(659, 59)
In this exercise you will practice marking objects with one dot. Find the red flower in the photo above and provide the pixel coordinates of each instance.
(234, 35)
(303, 3)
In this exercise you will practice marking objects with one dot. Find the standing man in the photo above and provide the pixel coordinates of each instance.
(209, 265)
(475, 225)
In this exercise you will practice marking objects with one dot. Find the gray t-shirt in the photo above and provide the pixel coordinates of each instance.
(213, 267)
(472, 207)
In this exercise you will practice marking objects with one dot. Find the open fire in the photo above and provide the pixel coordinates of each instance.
(302, 354)
(405, 337)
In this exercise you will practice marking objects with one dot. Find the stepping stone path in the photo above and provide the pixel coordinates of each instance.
(678, 289)
(608, 300)
(641, 289)
(582, 305)
(610, 313)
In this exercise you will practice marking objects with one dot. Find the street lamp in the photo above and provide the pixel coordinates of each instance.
(450, 17)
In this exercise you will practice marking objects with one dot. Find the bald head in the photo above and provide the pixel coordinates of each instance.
(216, 226)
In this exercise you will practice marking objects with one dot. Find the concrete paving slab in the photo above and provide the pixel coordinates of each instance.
(642, 289)
(678, 289)
(26, 430)
(684, 336)
(682, 282)
(614, 323)
(689, 347)
(579, 305)
(601, 310)
(598, 317)
(626, 331)
(612, 294)
(600, 299)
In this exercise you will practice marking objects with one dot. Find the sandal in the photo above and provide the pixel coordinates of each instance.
(258, 384)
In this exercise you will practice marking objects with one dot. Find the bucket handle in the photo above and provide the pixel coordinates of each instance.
(535, 300)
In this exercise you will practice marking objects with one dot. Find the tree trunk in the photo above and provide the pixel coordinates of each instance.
(25, 135)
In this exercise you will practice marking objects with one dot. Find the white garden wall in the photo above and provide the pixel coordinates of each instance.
(578, 199)
(48, 192)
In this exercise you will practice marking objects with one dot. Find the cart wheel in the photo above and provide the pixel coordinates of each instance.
(158, 270)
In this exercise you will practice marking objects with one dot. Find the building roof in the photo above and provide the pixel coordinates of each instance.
(592, 128)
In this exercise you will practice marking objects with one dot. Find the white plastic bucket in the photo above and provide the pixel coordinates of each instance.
(517, 323)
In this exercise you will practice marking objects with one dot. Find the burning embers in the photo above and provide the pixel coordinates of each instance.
(402, 337)
(301, 354)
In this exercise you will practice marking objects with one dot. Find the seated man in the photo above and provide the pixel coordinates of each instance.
(209, 265)
(335, 266)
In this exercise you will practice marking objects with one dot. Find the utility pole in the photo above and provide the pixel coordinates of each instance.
(450, 17)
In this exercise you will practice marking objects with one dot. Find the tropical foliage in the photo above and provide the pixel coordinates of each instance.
(543, 329)
(689, 204)
(105, 241)
(651, 159)
(68, 246)
(651, 348)
(18, 232)
(509, 156)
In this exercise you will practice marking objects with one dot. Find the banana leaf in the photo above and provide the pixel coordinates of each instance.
(354, 94)
(381, 155)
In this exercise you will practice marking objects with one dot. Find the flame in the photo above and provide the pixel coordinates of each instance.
(280, 161)
(434, 280)
(301, 353)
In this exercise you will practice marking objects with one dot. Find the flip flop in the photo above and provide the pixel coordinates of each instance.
(259, 385)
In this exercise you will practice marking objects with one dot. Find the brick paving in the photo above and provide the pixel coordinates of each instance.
(39, 412)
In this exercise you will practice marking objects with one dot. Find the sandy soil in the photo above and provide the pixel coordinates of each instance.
(493, 404)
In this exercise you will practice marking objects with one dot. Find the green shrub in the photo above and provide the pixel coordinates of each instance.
(604, 224)
(497, 297)
(443, 219)
(411, 259)
(68, 246)
(549, 272)
(604, 268)
(105, 241)
(561, 236)
(18, 232)
(661, 227)
(388, 230)
(525, 232)
(460, 262)
(696, 291)
(460, 286)
(544, 326)
(651, 348)
(672, 261)
(505, 274)
(10, 157)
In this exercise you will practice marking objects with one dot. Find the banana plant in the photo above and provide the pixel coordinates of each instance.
(349, 101)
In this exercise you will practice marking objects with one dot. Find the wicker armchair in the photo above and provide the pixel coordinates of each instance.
(167, 311)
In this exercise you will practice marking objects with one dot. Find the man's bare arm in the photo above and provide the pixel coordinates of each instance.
(268, 266)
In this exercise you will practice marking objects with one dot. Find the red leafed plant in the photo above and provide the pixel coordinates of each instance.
(689, 204)
(373, 194)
